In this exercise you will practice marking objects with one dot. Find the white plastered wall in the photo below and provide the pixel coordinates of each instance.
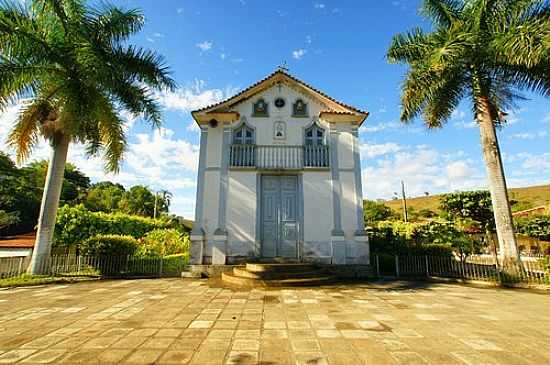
(318, 213)
(241, 213)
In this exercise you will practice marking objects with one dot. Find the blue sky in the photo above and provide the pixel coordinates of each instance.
(216, 48)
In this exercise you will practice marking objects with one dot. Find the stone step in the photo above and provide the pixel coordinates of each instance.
(250, 282)
(241, 271)
(255, 267)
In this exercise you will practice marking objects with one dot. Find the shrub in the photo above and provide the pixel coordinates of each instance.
(109, 245)
(76, 224)
(431, 238)
(163, 242)
(538, 226)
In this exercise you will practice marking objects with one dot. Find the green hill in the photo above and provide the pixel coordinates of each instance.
(522, 198)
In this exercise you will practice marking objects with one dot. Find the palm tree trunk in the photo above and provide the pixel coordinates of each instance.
(497, 184)
(50, 202)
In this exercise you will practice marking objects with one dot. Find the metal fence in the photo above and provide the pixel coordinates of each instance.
(474, 267)
(98, 266)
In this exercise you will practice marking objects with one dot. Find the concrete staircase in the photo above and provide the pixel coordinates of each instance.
(278, 275)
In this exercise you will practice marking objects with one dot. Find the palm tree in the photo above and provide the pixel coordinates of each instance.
(485, 51)
(71, 68)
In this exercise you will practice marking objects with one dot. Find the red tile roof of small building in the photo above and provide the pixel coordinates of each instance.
(19, 241)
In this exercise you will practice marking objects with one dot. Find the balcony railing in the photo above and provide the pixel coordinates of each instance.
(279, 157)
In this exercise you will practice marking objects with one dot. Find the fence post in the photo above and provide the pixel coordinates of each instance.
(396, 266)
(160, 266)
(20, 265)
(427, 267)
(377, 266)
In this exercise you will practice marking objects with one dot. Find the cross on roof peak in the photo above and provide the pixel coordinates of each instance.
(283, 67)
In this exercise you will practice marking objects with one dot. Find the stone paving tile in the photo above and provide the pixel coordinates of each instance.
(173, 321)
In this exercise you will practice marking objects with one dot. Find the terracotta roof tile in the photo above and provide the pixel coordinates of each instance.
(19, 241)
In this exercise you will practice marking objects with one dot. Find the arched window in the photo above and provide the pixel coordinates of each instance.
(299, 108)
(260, 109)
(243, 135)
(315, 136)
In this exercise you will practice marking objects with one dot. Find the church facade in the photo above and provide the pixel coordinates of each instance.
(279, 178)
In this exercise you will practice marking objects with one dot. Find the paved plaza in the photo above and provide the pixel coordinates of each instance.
(176, 321)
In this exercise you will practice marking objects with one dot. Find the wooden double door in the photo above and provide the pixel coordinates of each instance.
(279, 218)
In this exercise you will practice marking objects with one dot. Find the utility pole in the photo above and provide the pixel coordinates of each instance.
(155, 208)
(404, 198)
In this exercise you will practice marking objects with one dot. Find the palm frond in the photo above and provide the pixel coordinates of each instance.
(25, 134)
(442, 12)
(143, 66)
(409, 47)
(113, 24)
(524, 43)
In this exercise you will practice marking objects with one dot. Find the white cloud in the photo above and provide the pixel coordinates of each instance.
(179, 10)
(533, 164)
(459, 170)
(7, 118)
(465, 125)
(373, 150)
(299, 53)
(308, 39)
(459, 117)
(529, 135)
(422, 169)
(223, 56)
(546, 118)
(205, 46)
(193, 97)
(319, 6)
(390, 126)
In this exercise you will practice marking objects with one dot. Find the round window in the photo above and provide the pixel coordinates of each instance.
(279, 102)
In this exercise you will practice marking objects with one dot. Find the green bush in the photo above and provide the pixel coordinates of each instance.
(538, 226)
(76, 224)
(406, 238)
(164, 242)
(109, 245)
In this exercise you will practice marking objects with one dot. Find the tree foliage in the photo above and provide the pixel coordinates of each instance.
(140, 200)
(479, 50)
(7, 219)
(374, 211)
(74, 68)
(104, 196)
(109, 245)
(538, 226)
(163, 242)
(426, 238)
(470, 205)
(76, 224)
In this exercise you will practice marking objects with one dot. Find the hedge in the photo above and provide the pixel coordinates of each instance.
(164, 242)
(76, 224)
(109, 245)
(405, 238)
(538, 226)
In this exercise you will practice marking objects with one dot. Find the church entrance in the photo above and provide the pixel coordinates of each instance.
(279, 216)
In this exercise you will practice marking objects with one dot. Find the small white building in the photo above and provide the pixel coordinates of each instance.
(279, 178)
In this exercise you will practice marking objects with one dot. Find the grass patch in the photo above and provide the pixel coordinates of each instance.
(29, 280)
(526, 198)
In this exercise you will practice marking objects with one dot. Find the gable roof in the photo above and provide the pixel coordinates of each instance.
(332, 105)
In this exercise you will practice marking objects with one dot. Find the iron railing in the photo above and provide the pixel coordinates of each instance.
(100, 266)
(473, 267)
(279, 157)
